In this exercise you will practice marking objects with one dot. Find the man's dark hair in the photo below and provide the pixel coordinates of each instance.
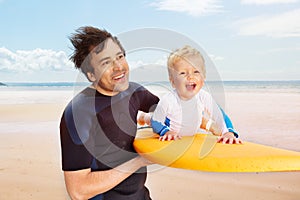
(88, 39)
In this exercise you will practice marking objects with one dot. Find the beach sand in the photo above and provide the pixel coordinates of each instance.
(30, 165)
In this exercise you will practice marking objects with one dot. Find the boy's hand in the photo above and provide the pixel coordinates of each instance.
(229, 138)
(170, 135)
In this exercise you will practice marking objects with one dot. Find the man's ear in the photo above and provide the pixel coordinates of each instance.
(91, 76)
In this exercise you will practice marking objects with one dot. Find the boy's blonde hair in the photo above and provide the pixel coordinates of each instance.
(185, 53)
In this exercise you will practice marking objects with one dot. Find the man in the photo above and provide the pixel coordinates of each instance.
(99, 125)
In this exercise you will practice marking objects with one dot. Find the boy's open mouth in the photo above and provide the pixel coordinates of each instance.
(191, 86)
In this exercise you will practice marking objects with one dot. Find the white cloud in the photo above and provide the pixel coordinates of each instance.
(216, 58)
(191, 7)
(140, 63)
(34, 60)
(281, 25)
(267, 2)
(282, 50)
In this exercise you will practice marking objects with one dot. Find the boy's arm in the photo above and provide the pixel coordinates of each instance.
(213, 127)
(228, 123)
(159, 121)
(218, 116)
(161, 124)
(231, 136)
(210, 125)
(159, 127)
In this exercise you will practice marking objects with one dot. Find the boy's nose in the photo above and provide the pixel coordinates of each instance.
(190, 76)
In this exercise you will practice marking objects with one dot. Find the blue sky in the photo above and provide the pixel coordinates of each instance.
(245, 39)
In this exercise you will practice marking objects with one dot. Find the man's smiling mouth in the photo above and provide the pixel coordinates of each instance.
(118, 77)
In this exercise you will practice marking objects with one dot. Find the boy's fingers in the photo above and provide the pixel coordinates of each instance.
(238, 141)
(225, 140)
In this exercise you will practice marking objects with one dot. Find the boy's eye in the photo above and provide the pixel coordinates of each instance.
(181, 73)
(197, 72)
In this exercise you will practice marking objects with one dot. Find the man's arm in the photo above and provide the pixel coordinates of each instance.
(85, 184)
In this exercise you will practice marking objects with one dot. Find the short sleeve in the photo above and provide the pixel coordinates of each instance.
(76, 127)
(74, 154)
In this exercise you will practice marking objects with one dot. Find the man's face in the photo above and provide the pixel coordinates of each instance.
(111, 71)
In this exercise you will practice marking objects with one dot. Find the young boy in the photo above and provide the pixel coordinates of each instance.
(181, 112)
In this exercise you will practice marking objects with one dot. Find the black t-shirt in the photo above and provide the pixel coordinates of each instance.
(97, 132)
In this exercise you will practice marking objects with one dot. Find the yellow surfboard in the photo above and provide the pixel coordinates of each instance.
(201, 152)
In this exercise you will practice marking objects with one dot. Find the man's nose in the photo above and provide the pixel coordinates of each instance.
(117, 65)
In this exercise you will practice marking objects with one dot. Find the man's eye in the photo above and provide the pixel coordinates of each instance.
(106, 63)
(121, 56)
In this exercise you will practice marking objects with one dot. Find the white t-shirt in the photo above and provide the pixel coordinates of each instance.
(185, 117)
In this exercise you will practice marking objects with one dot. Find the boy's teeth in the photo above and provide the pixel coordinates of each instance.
(190, 86)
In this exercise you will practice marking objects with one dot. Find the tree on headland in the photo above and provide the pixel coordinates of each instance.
(2, 84)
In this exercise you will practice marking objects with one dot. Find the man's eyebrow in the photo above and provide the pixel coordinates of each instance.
(102, 59)
(107, 58)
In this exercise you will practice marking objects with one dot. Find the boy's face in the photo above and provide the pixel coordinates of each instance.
(186, 77)
(111, 70)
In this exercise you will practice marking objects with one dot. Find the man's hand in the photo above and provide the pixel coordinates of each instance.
(144, 118)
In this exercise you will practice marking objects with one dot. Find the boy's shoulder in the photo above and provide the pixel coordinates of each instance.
(203, 92)
(203, 95)
(168, 98)
(172, 94)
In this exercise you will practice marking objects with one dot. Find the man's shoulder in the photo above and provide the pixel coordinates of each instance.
(84, 99)
(133, 86)
(78, 115)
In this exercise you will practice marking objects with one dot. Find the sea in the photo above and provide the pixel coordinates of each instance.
(55, 92)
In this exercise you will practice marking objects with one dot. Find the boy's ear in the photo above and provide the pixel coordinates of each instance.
(202, 82)
(91, 76)
(171, 81)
